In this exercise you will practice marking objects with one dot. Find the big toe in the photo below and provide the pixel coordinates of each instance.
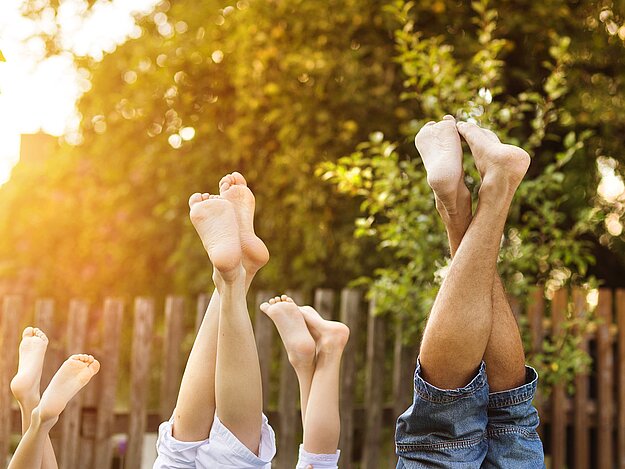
(472, 133)
(264, 307)
(194, 199)
(239, 179)
(94, 366)
(28, 332)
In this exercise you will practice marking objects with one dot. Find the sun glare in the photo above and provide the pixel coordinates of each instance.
(38, 93)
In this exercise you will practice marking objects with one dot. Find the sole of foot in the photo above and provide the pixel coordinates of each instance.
(215, 221)
(500, 165)
(440, 148)
(330, 336)
(25, 384)
(298, 342)
(233, 187)
(72, 376)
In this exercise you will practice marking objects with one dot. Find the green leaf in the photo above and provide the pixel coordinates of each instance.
(2, 59)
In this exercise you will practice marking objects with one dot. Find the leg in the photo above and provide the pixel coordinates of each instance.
(25, 384)
(323, 422)
(504, 354)
(299, 344)
(73, 375)
(457, 332)
(195, 408)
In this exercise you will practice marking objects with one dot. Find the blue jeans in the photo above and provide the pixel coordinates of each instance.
(469, 427)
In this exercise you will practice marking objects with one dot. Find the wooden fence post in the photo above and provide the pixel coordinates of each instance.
(324, 302)
(290, 422)
(112, 319)
(535, 314)
(171, 375)
(9, 339)
(75, 338)
(605, 368)
(201, 306)
(44, 320)
(620, 314)
(374, 388)
(139, 378)
(350, 313)
(264, 333)
(581, 434)
(558, 395)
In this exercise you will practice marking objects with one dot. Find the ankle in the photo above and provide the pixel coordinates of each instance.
(41, 420)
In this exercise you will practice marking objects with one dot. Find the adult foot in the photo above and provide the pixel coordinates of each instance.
(298, 342)
(330, 336)
(441, 151)
(500, 165)
(233, 187)
(215, 221)
(25, 384)
(73, 375)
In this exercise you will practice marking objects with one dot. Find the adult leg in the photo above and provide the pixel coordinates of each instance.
(504, 355)
(25, 385)
(460, 323)
(73, 375)
(195, 408)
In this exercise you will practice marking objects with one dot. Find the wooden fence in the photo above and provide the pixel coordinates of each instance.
(143, 353)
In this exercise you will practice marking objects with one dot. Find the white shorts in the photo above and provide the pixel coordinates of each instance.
(317, 461)
(221, 450)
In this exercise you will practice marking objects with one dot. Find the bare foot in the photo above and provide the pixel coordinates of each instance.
(73, 375)
(233, 187)
(215, 221)
(299, 344)
(25, 384)
(441, 151)
(500, 165)
(330, 336)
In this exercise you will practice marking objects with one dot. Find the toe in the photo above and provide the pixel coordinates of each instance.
(94, 366)
(284, 298)
(264, 307)
(239, 179)
(28, 332)
(470, 132)
(194, 199)
(205, 196)
(272, 301)
(449, 117)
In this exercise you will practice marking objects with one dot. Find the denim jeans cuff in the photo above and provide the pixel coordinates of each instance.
(431, 393)
(518, 395)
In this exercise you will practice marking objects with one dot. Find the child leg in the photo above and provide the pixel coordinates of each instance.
(73, 375)
(25, 384)
(299, 344)
(195, 408)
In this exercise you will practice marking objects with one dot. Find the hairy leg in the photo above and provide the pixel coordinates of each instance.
(460, 323)
(25, 384)
(195, 407)
(73, 375)
(299, 344)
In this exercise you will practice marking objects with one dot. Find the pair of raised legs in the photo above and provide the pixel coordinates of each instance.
(40, 413)
(218, 417)
(472, 391)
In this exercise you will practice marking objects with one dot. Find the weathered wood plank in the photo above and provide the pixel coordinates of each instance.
(44, 320)
(605, 370)
(12, 309)
(324, 302)
(374, 388)
(535, 315)
(350, 313)
(558, 396)
(200, 309)
(139, 378)
(620, 314)
(172, 359)
(581, 434)
(264, 332)
(112, 319)
(75, 341)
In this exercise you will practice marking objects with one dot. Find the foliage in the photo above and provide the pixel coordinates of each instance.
(544, 243)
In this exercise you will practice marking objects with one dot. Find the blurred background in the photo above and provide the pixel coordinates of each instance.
(113, 112)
